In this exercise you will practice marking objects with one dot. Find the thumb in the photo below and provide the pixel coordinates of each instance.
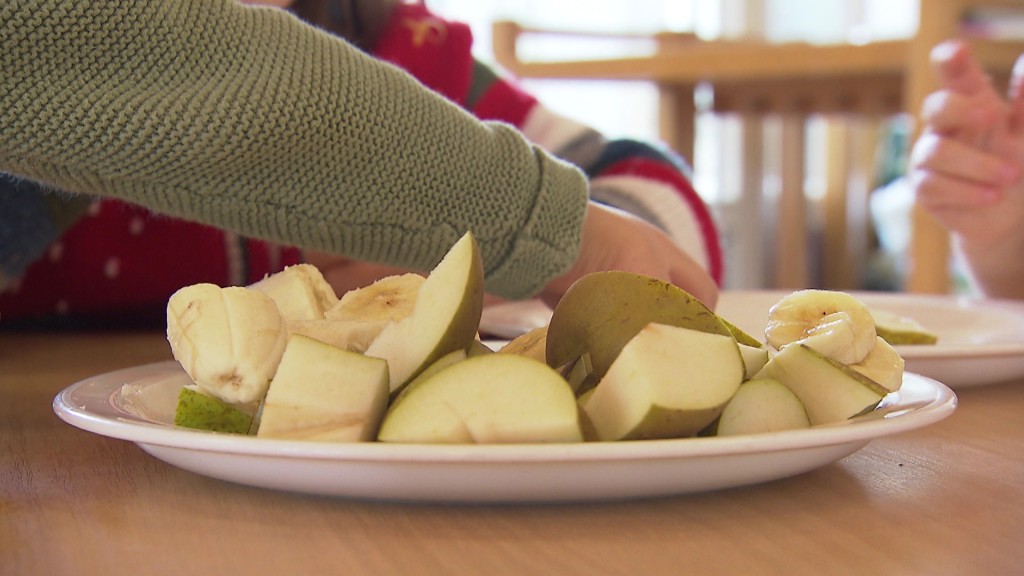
(957, 69)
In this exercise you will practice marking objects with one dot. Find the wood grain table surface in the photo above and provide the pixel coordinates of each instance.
(945, 499)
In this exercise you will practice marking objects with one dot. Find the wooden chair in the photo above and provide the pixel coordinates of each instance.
(857, 85)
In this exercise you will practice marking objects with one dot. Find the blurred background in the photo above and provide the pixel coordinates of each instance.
(796, 115)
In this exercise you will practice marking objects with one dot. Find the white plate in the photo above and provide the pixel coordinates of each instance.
(980, 341)
(137, 404)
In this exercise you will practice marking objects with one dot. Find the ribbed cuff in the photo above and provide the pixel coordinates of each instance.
(549, 243)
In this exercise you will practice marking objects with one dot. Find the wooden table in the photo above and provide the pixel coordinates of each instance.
(947, 499)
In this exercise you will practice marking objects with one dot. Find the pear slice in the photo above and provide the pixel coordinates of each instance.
(602, 311)
(578, 374)
(300, 292)
(901, 330)
(755, 353)
(830, 391)
(204, 412)
(324, 393)
(445, 317)
(759, 406)
(754, 359)
(667, 382)
(497, 398)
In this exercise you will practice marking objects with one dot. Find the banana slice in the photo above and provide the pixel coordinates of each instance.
(228, 340)
(390, 298)
(833, 323)
(300, 292)
(356, 319)
(883, 365)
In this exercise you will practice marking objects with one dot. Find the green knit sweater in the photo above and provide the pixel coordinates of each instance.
(247, 119)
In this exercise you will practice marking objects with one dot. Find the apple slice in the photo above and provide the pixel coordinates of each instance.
(496, 398)
(445, 316)
(667, 382)
(759, 406)
(602, 311)
(300, 292)
(324, 393)
(830, 391)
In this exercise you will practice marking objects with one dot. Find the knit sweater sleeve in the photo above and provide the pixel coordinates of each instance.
(215, 112)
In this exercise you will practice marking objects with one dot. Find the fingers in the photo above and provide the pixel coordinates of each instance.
(613, 240)
(954, 114)
(686, 273)
(938, 192)
(961, 161)
(957, 68)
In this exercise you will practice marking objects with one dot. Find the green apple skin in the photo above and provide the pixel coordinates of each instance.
(492, 399)
(324, 393)
(667, 382)
(602, 311)
(445, 317)
(204, 412)
(830, 391)
(761, 406)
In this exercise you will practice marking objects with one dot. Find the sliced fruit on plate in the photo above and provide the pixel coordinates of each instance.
(830, 391)
(602, 311)
(667, 382)
(764, 405)
(901, 330)
(228, 340)
(834, 323)
(201, 411)
(324, 393)
(883, 365)
(496, 398)
(300, 292)
(444, 318)
(531, 344)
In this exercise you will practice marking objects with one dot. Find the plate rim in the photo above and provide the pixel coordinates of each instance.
(114, 422)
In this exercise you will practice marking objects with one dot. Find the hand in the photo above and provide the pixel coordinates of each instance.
(967, 165)
(615, 240)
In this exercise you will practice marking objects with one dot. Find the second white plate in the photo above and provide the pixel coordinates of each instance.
(980, 341)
